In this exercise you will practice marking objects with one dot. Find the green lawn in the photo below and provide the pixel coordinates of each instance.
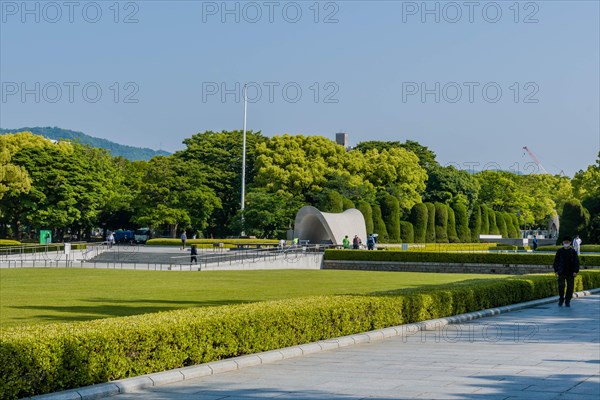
(58, 295)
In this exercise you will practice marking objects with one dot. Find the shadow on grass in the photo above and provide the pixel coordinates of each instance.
(121, 308)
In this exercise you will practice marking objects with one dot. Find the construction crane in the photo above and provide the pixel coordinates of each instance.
(535, 160)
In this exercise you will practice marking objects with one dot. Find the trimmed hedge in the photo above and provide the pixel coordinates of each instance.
(407, 232)
(390, 210)
(475, 223)
(452, 235)
(430, 231)
(459, 258)
(8, 242)
(462, 222)
(485, 220)
(47, 358)
(584, 248)
(177, 242)
(367, 211)
(379, 225)
(441, 223)
(418, 218)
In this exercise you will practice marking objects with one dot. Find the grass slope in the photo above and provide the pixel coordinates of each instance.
(29, 296)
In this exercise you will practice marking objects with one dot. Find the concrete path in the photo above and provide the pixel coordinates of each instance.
(544, 352)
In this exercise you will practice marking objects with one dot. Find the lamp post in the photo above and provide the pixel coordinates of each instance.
(244, 159)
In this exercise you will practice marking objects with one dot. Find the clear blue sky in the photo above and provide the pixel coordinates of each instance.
(370, 61)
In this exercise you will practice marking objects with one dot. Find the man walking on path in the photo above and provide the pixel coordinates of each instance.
(183, 240)
(577, 244)
(566, 267)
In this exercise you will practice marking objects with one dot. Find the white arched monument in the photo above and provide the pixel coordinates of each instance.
(329, 228)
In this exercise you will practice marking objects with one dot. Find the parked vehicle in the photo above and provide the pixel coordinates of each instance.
(142, 235)
(124, 236)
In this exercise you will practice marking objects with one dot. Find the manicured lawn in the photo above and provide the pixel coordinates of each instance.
(59, 295)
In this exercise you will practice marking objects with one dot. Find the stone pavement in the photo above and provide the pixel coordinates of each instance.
(543, 352)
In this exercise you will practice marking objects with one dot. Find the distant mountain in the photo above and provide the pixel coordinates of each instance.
(128, 152)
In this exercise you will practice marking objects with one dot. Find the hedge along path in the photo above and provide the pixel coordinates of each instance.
(460, 258)
(43, 359)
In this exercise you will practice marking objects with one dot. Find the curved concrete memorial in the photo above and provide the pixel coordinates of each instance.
(319, 227)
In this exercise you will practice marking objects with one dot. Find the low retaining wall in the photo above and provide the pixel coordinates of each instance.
(508, 269)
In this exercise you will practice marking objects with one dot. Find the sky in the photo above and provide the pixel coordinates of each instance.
(473, 81)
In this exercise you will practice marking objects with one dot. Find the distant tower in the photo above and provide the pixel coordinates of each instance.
(342, 139)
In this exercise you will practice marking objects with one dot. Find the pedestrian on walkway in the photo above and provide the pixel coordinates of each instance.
(111, 240)
(194, 254)
(183, 240)
(566, 267)
(356, 242)
(535, 243)
(577, 244)
(371, 242)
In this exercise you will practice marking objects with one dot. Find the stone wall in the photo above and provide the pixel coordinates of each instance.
(509, 269)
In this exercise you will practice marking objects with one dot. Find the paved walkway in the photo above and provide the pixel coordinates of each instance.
(544, 352)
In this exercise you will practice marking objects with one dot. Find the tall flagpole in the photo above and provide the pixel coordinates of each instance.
(244, 159)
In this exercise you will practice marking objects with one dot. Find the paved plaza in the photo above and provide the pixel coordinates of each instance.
(543, 352)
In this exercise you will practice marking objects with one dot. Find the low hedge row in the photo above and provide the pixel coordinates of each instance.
(48, 358)
(459, 258)
(8, 242)
(226, 242)
(584, 248)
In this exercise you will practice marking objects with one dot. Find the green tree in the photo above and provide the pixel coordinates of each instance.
(493, 223)
(269, 215)
(418, 218)
(174, 194)
(449, 185)
(218, 157)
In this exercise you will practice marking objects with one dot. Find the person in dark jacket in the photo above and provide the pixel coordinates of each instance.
(194, 254)
(566, 267)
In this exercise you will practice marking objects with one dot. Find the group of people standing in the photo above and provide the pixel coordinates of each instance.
(357, 242)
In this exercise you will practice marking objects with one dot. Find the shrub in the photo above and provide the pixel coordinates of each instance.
(430, 232)
(367, 211)
(456, 257)
(462, 223)
(485, 221)
(593, 248)
(379, 225)
(510, 228)
(8, 242)
(501, 223)
(331, 201)
(451, 224)
(347, 204)
(418, 218)
(573, 221)
(390, 210)
(475, 223)
(207, 242)
(407, 232)
(492, 222)
(47, 358)
(441, 223)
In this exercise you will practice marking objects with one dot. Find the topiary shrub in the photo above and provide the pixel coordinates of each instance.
(430, 232)
(501, 224)
(347, 204)
(441, 223)
(574, 220)
(418, 219)
(331, 201)
(407, 232)
(390, 211)
(378, 225)
(451, 224)
(367, 212)
(492, 222)
(475, 223)
(485, 220)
